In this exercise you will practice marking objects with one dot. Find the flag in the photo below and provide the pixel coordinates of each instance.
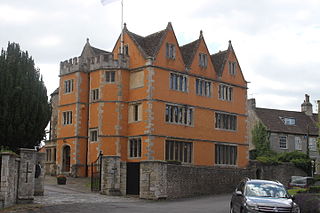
(105, 2)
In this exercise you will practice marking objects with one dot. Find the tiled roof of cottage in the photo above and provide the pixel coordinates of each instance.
(150, 44)
(188, 51)
(304, 124)
(219, 60)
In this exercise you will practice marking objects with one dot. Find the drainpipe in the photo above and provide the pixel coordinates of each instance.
(87, 144)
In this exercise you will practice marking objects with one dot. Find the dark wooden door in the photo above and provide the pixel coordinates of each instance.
(133, 178)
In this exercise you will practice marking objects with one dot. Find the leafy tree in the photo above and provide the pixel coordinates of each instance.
(24, 108)
(260, 138)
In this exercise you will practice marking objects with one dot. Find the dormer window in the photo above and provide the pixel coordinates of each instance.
(203, 60)
(170, 51)
(288, 121)
(232, 68)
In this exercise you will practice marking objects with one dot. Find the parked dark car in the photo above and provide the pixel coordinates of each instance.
(301, 182)
(262, 196)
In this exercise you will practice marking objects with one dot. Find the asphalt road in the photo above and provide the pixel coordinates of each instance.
(76, 197)
(212, 204)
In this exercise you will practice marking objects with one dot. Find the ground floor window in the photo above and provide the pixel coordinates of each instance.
(179, 151)
(135, 148)
(283, 142)
(226, 155)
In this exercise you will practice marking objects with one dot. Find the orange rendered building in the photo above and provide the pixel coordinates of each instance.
(154, 101)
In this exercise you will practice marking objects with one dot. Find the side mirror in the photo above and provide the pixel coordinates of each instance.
(239, 193)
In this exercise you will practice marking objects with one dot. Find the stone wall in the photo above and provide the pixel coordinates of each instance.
(281, 172)
(160, 180)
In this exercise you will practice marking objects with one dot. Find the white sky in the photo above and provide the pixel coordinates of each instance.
(276, 41)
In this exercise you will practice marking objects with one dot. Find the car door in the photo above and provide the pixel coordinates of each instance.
(237, 201)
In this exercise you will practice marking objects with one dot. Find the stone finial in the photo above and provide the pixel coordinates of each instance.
(124, 26)
(88, 40)
(201, 34)
(169, 26)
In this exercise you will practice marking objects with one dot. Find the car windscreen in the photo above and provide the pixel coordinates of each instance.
(257, 189)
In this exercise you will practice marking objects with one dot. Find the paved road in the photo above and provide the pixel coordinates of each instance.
(74, 198)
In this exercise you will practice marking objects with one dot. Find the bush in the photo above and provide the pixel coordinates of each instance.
(289, 156)
(314, 189)
(296, 190)
(272, 160)
(304, 164)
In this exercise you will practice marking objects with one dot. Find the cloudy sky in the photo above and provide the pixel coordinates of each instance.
(276, 41)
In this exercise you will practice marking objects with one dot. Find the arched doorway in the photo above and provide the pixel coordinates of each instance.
(66, 159)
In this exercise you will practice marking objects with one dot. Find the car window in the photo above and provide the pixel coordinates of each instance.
(265, 190)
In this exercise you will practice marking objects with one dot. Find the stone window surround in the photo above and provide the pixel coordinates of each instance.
(187, 152)
(94, 135)
(134, 147)
(232, 67)
(67, 117)
(203, 60)
(68, 86)
(221, 150)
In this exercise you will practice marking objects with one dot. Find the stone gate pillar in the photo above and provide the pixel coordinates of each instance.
(110, 175)
(39, 173)
(9, 179)
(153, 180)
(26, 176)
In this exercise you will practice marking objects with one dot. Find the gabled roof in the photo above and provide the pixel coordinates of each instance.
(188, 52)
(150, 44)
(89, 50)
(304, 124)
(219, 60)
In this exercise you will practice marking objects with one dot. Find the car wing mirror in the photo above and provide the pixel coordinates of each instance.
(239, 193)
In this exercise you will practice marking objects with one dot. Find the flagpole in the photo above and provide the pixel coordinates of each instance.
(121, 40)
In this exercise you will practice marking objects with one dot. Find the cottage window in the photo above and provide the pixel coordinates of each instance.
(283, 142)
(225, 155)
(298, 143)
(67, 118)
(312, 144)
(110, 76)
(68, 86)
(135, 148)
(288, 121)
(178, 82)
(170, 51)
(179, 114)
(179, 151)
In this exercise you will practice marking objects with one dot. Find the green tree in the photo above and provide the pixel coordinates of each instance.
(24, 108)
(260, 139)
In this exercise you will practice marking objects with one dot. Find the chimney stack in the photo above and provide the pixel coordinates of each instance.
(251, 103)
(306, 106)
